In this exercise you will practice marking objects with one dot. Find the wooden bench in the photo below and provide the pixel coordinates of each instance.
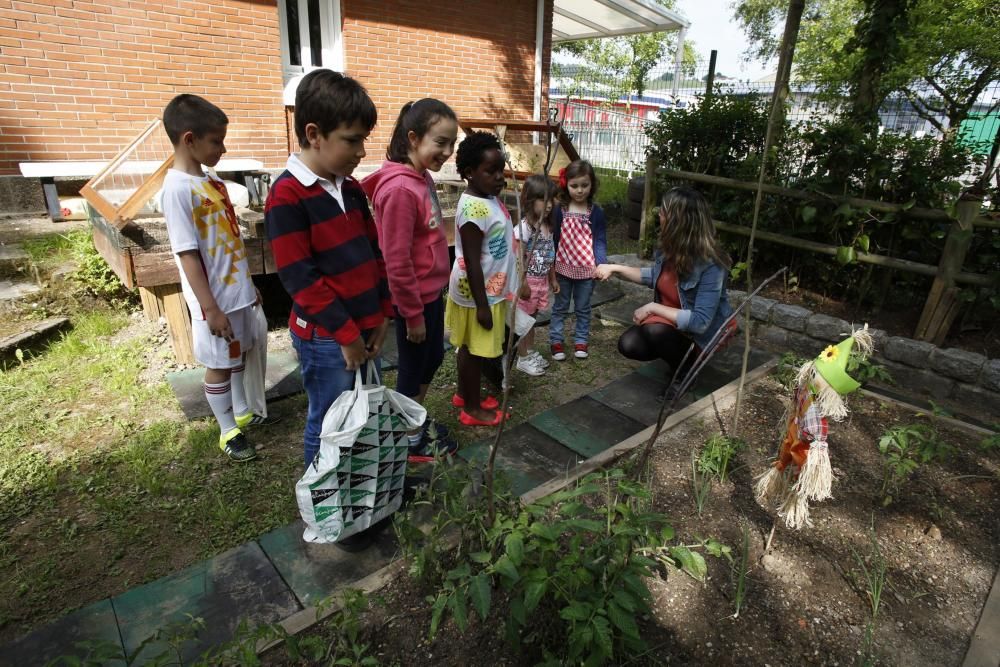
(48, 172)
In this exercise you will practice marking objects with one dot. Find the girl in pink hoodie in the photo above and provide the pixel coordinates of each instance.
(412, 238)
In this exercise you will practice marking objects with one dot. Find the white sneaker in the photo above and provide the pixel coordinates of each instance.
(540, 361)
(527, 365)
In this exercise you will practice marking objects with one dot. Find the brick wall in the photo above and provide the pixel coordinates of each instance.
(476, 55)
(79, 79)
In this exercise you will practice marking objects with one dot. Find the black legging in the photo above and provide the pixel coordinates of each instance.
(646, 342)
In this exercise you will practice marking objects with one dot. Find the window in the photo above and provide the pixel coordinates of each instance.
(310, 38)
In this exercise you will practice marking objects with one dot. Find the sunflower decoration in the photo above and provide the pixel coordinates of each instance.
(802, 471)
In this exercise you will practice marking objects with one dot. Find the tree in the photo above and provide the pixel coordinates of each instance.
(619, 66)
(946, 56)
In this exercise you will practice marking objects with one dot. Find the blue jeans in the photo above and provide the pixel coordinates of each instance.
(325, 377)
(580, 291)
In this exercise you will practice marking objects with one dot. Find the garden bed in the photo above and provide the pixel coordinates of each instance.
(806, 599)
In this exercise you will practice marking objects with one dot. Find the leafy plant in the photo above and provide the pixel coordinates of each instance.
(904, 449)
(787, 369)
(701, 484)
(571, 566)
(741, 569)
(716, 454)
(991, 443)
(863, 370)
(874, 573)
(95, 277)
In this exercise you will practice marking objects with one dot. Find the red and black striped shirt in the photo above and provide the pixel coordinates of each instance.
(328, 259)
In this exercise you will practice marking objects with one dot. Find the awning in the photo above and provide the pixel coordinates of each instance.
(586, 19)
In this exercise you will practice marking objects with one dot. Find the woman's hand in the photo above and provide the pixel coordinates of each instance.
(417, 334)
(643, 311)
(604, 271)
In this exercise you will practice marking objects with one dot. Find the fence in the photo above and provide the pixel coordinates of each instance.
(606, 122)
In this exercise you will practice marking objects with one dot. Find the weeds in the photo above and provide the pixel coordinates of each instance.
(991, 443)
(740, 569)
(787, 369)
(701, 485)
(863, 370)
(716, 454)
(874, 571)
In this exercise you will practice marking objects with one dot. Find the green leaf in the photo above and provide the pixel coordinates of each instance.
(576, 611)
(591, 525)
(515, 548)
(480, 591)
(460, 572)
(544, 531)
(457, 603)
(863, 242)
(691, 562)
(481, 557)
(623, 620)
(808, 213)
(910, 204)
(506, 568)
(846, 255)
(517, 611)
(843, 210)
(533, 594)
(602, 632)
(436, 611)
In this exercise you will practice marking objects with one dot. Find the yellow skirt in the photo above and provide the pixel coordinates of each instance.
(465, 329)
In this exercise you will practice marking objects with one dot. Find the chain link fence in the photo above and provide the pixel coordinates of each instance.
(607, 126)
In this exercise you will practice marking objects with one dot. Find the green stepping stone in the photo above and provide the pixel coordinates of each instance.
(282, 379)
(94, 623)
(238, 585)
(527, 456)
(586, 426)
(635, 396)
(315, 571)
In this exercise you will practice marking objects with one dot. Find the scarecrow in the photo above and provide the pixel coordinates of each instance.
(802, 470)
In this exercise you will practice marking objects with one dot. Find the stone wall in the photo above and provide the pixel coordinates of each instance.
(965, 381)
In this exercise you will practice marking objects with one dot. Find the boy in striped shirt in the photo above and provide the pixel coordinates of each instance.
(325, 244)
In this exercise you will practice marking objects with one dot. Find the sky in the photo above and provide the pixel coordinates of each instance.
(713, 27)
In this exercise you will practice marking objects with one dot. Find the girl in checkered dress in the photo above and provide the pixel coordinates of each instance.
(580, 234)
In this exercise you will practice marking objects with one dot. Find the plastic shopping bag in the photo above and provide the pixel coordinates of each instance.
(356, 480)
(256, 364)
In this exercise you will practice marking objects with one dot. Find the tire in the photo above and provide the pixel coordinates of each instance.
(633, 210)
(633, 230)
(636, 186)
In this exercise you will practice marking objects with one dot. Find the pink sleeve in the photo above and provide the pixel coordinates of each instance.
(397, 217)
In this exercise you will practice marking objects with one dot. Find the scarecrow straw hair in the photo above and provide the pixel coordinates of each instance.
(826, 399)
(816, 476)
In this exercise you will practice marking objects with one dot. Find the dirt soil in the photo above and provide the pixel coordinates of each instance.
(806, 602)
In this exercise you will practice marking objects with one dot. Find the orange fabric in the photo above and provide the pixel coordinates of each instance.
(666, 294)
(794, 449)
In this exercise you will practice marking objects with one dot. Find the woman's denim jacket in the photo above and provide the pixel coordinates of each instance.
(704, 303)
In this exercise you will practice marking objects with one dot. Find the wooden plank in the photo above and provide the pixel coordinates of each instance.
(151, 306)
(155, 268)
(984, 649)
(647, 200)
(178, 322)
(255, 255)
(118, 259)
(269, 264)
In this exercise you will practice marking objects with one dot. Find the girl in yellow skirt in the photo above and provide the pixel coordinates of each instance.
(483, 278)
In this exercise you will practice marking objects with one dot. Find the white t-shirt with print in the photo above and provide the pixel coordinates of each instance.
(200, 217)
(496, 255)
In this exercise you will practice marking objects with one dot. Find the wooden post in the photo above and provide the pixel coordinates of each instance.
(178, 322)
(710, 79)
(152, 307)
(942, 301)
(647, 201)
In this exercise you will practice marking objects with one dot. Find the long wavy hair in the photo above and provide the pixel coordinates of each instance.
(687, 233)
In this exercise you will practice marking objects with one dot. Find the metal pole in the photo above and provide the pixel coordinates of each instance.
(678, 61)
(711, 73)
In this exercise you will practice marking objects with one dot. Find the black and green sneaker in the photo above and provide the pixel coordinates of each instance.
(252, 419)
(237, 447)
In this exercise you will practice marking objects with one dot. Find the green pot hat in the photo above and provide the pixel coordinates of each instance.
(831, 363)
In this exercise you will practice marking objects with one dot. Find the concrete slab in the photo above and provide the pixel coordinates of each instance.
(527, 456)
(94, 623)
(19, 228)
(14, 259)
(238, 585)
(621, 310)
(10, 291)
(315, 571)
(586, 426)
(32, 335)
(283, 379)
(635, 396)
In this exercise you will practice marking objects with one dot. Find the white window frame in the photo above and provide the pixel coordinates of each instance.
(331, 40)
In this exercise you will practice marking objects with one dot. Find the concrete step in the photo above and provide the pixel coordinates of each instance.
(32, 335)
(12, 291)
(15, 261)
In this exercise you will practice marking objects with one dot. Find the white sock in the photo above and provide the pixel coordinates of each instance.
(220, 399)
(414, 439)
(240, 406)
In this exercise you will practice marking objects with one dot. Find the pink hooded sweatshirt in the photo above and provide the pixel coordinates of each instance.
(411, 236)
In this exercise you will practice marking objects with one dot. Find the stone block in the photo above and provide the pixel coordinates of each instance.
(21, 195)
(919, 381)
(879, 339)
(803, 345)
(772, 336)
(830, 329)
(793, 318)
(760, 308)
(736, 297)
(991, 375)
(910, 352)
(958, 364)
(982, 403)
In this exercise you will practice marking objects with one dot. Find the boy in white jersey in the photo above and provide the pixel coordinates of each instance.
(212, 260)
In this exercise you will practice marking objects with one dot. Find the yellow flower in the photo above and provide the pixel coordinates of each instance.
(830, 353)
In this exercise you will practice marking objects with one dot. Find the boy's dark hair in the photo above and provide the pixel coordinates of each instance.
(190, 113)
(575, 169)
(470, 151)
(416, 117)
(329, 99)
